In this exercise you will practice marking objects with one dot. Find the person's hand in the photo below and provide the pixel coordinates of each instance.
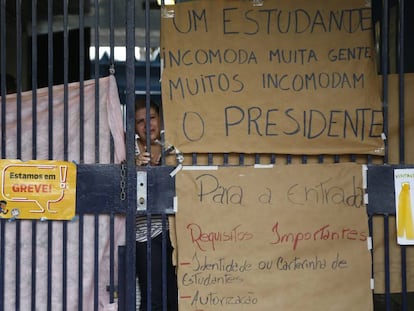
(144, 158)
(155, 160)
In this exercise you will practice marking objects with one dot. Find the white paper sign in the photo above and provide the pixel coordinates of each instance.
(404, 196)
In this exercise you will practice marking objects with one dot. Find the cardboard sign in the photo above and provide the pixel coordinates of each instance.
(291, 77)
(37, 189)
(285, 238)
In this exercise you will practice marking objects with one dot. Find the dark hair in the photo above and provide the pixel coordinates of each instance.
(141, 103)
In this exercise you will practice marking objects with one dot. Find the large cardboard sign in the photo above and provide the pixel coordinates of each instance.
(285, 238)
(291, 77)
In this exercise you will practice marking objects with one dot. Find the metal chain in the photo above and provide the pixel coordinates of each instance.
(122, 184)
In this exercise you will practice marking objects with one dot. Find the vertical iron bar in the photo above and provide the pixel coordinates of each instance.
(304, 159)
(50, 75)
(241, 159)
(80, 263)
(3, 88)
(64, 265)
(121, 278)
(320, 158)
(18, 139)
(34, 262)
(50, 142)
(19, 78)
(147, 73)
(273, 158)
(384, 71)
(18, 264)
(404, 299)
(97, 61)
(96, 264)
(65, 80)
(111, 33)
(65, 145)
(112, 288)
(111, 258)
(225, 159)
(111, 59)
(401, 103)
(257, 158)
(387, 263)
(81, 80)
(130, 295)
(401, 90)
(34, 79)
(164, 262)
(371, 235)
(49, 264)
(149, 263)
(2, 256)
(384, 67)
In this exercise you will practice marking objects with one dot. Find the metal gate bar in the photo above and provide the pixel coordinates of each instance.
(131, 175)
(126, 288)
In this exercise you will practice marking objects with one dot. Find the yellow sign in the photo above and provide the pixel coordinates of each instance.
(403, 179)
(37, 189)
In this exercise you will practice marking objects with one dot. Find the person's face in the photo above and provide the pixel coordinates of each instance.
(141, 124)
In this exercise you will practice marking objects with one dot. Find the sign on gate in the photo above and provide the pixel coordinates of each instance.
(290, 77)
(290, 237)
(404, 199)
(37, 189)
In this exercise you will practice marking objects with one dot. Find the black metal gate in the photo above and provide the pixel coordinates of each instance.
(89, 262)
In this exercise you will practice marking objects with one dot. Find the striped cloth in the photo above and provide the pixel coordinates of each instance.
(141, 227)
